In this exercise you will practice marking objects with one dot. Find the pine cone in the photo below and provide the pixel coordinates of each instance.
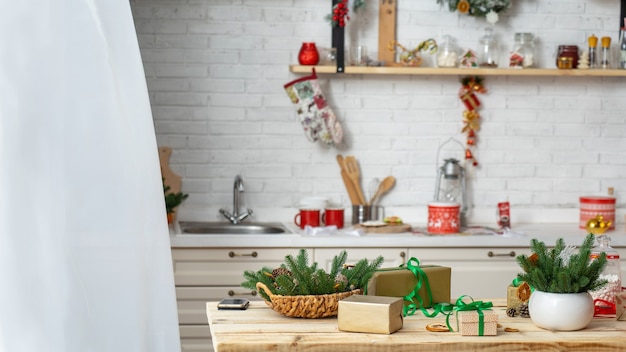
(511, 312)
(523, 311)
(280, 271)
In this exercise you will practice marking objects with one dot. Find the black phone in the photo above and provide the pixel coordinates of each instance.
(233, 303)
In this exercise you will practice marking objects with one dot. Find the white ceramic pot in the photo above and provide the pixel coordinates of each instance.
(561, 311)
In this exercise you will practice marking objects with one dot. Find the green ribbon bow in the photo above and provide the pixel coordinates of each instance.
(422, 280)
(439, 308)
(478, 306)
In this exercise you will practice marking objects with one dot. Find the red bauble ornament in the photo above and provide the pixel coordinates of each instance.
(308, 54)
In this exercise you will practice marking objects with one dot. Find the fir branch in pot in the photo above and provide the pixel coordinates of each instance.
(558, 270)
(172, 200)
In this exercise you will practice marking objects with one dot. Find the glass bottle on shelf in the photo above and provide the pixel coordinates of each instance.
(622, 48)
(448, 55)
(523, 54)
(604, 298)
(488, 53)
(593, 51)
(605, 55)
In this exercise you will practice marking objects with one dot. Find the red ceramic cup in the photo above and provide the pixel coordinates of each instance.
(333, 216)
(444, 218)
(309, 217)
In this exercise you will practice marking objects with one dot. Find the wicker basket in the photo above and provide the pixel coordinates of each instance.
(306, 306)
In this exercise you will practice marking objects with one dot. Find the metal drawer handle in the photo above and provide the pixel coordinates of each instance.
(233, 293)
(233, 254)
(492, 254)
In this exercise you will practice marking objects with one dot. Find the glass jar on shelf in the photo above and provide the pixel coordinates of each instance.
(488, 53)
(523, 53)
(448, 54)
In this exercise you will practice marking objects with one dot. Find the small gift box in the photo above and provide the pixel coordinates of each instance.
(511, 298)
(470, 324)
(372, 314)
(470, 101)
(620, 305)
(400, 282)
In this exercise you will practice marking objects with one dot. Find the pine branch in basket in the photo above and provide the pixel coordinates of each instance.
(296, 277)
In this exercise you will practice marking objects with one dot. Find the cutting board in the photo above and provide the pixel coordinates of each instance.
(170, 178)
(384, 229)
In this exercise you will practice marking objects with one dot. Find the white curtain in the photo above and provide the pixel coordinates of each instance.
(85, 263)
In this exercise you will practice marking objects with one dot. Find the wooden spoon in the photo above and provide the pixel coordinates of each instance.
(352, 169)
(354, 198)
(384, 186)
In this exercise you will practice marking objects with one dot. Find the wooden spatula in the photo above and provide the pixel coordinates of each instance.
(384, 186)
(352, 168)
(354, 198)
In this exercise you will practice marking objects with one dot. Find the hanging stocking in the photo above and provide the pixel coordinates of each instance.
(317, 119)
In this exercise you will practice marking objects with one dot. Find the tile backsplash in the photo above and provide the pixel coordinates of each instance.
(216, 68)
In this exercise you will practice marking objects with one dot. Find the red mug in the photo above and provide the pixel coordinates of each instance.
(309, 217)
(333, 216)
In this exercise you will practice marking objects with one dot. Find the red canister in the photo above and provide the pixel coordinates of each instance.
(592, 206)
(444, 218)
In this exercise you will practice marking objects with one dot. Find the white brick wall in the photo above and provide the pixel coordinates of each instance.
(216, 69)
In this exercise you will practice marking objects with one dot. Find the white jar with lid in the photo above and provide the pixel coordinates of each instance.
(448, 55)
(523, 53)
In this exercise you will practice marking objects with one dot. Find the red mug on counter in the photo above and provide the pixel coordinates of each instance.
(309, 217)
(333, 216)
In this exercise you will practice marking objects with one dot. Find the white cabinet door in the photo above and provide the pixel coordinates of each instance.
(482, 273)
(392, 256)
(204, 274)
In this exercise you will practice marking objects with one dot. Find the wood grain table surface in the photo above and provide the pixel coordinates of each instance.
(261, 329)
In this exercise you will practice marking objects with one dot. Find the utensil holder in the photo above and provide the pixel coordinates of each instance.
(363, 213)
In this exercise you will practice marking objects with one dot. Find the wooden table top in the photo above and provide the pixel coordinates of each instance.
(261, 329)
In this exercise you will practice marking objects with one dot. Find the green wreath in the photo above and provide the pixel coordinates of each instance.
(478, 8)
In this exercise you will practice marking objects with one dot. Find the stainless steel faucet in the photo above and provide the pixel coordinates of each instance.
(236, 217)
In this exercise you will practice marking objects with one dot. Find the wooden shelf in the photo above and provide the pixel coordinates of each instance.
(435, 71)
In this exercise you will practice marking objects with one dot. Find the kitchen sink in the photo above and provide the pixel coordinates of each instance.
(221, 228)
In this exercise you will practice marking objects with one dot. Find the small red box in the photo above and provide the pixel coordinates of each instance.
(592, 206)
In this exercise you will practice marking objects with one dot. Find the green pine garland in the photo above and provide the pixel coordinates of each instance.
(304, 279)
(479, 8)
(549, 271)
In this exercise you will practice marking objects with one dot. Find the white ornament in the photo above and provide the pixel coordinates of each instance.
(492, 17)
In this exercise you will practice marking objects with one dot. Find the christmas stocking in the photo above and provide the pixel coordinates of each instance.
(317, 119)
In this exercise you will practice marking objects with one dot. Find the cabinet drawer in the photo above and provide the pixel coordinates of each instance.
(223, 267)
(192, 301)
(195, 338)
(392, 256)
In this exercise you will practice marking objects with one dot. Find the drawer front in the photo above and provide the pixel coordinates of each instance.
(392, 256)
(195, 338)
(223, 267)
(192, 301)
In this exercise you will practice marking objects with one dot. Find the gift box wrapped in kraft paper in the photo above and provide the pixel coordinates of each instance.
(470, 324)
(400, 282)
(516, 294)
(372, 314)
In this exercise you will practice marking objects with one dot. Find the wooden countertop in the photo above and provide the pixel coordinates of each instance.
(261, 329)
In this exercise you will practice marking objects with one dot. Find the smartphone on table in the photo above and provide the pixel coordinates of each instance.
(233, 303)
